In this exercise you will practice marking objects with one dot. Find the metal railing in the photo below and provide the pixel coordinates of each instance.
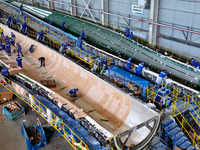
(163, 100)
(41, 109)
(192, 135)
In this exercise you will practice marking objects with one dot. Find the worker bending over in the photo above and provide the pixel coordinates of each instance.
(139, 68)
(195, 63)
(162, 75)
(63, 24)
(19, 61)
(72, 93)
(42, 59)
(19, 50)
(32, 47)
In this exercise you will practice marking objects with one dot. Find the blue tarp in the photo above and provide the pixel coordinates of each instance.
(126, 77)
(25, 130)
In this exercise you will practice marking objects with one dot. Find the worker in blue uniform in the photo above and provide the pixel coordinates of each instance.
(10, 20)
(131, 35)
(63, 24)
(40, 36)
(12, 39)
(6, 38)
(195, 63)
(83, 36)
(128, 64)
(127, 31)
(72, 92)
(32, 47)
(5, 72)
(62, 47)
(8, 46)
(19, 61)
(19, 50)
(20, 9)
(162, 75)
(139, 68)
(42, 59)
(80, 41)
(23, 28)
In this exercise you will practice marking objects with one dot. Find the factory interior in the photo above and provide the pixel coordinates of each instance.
(99, 74)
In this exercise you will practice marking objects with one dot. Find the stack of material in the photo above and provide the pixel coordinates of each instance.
(13, 110)
(5, 97)
(13, 106)
(14, 70)
(34, 136)
(49, 83)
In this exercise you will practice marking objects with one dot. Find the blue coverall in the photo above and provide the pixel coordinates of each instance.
(62, 47)
(19, 50)
(131, 35)
(83, 35)
(63, 24)
(139, 69)
(127, 31)
(9, 21)
(12, 40)
(20, 9)
(5, 72)
(19, 61)
(31, 48)
(128, 64)
(72, 92)
(8, 47)
(23, 28)
(80, 42)
(195, 63)
(163, 74)
(40, 36)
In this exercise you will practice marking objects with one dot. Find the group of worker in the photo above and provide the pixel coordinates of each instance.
(128, 33)
(162, 76)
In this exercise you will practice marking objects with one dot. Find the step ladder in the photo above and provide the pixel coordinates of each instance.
(172, 135)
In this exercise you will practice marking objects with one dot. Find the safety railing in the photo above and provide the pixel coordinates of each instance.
(121, 28)
(187, 102)
(41, 109)
(161, 101)
(186, 128)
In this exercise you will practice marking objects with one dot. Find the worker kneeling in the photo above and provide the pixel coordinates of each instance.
(72, 93)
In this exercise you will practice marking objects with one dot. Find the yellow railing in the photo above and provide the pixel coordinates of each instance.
(144, 41)
(187, 102)
(151, 44)
(39, 108)
(190, 132)
(151, 96)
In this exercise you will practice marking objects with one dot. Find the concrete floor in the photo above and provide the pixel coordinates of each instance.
(10, 130)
